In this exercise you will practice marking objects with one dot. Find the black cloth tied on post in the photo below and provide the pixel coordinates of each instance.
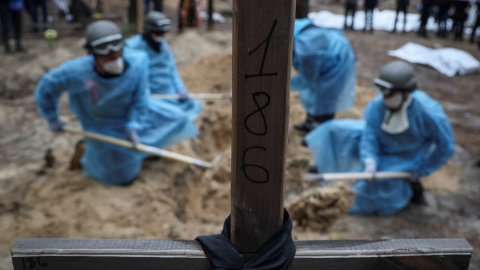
(277, 253)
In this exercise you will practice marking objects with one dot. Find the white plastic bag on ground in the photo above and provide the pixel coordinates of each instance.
(448, 61)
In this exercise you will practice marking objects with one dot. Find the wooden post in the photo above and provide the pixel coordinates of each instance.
(140, 10)
(262, 35)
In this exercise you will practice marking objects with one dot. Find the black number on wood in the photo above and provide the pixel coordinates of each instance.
(244, 166)
(267, 43)
(31, 263)
(259, 110)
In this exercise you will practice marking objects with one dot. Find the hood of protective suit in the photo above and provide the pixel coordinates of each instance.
(318, 51)
(325, 62)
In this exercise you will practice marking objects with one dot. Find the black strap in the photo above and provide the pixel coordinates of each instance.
(277, 253)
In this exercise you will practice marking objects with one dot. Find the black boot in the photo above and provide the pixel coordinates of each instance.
(306, 126)
(417, 197)
(312, 169)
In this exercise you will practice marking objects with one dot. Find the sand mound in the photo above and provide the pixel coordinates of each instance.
(445, 180)
(318, 208)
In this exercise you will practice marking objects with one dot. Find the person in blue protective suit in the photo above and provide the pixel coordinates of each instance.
(404, 131)
(164, 77)
(325, 62)
(108, 92)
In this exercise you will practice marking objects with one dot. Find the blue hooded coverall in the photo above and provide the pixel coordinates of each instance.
(343, 145)
(325, 62)
(164, 77)
(109, 106)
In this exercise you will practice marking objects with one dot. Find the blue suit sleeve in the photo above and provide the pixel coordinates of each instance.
(48, 92)
(177, 80)
(139, 108)
(369, 147)
(443, 138)
(298, 83)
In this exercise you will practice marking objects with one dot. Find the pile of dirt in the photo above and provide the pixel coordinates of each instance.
(21, 72)
(205, 43)
(318, 208)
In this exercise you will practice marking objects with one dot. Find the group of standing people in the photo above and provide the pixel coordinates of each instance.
(351, 8)
(442, 10)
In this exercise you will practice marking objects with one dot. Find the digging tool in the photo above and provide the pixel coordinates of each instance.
(195, 96)
(355, 176)
(141, 147)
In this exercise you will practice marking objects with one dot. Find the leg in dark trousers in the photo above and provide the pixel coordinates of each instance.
(5, 21)
(402, 6)
(17, 28)
(32, 5)
(349, 8)
(43, 4)
(192, 14)
(422, 31)
(158, 5)
(404, 10)
(475, 26)
(368, 19)
(302, 9)
(395, 23)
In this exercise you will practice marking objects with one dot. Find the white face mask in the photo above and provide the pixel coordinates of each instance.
(395, 101)
(158, 39)
(114, 67)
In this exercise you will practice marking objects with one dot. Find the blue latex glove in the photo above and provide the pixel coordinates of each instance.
(370, 166)
(183, 96)
(415, 176)
(417, 188)
(132, 136)
(56, 125)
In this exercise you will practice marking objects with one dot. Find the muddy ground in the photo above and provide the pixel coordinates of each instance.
(175, 201)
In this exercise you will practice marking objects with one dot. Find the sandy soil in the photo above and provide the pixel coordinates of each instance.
(175, 201)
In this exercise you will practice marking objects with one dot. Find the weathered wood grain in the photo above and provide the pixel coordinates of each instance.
(107, 254)
(262, 48)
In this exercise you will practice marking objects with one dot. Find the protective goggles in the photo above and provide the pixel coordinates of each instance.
(107, 45)
(384, 87)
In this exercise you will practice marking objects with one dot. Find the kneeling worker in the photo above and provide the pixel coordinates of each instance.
(108, 92)
(404, 131)
(164, 77)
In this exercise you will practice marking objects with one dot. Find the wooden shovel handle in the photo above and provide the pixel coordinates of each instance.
(140, 147)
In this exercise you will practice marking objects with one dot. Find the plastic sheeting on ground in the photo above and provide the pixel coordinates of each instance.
(448, 61)
(382, 20)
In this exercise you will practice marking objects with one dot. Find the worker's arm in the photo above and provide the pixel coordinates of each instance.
(48, 92)
(442, 136)
(369, 145)
(298, 83)
(140, 100)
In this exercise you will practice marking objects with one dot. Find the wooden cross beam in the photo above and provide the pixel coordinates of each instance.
(130, 254)
(261, 74)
